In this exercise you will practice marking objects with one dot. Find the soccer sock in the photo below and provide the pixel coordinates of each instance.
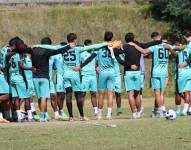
(185, 109)
(99, 112)
(79, 103)
(95, 110)
(61, 112)
(30, 115)
(19, 115)
(141, 97)
(189, 109)
(32, 107)
(178, 107)
(109, 111)
(163, 108)
(1, 115)
(56, 113)
(43, 115)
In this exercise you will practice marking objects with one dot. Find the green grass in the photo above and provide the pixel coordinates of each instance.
(145, 133)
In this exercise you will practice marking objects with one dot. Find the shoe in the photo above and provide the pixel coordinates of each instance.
(178, 113)
(142, 111)
(134, 116)
(119, 111)
(42, 120)
(31, 120)
(84, 119)
(188, 113)
(108, 117)
(153, 114)
(138, 115)
(71, 119)
(20, 120)
(36, 118)
(64, 116)
(183, 114)
(159, 114)
(2, 120)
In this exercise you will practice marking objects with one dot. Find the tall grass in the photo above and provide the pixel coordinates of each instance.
(88, 21)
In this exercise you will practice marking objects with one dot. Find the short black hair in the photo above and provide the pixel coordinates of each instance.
(88, 42)
(187, 33)
(16, 41)
(154, 34)
(63, 43)
(108, 36)
(71, 37)
(129, 37)
(46, 40)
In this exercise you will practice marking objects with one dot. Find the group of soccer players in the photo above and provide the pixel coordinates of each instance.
(56, 72)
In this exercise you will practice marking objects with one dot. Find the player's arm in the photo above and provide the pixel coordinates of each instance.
(184, 64)
(170, 49)
(27, 50)
(87, 61)
(22, 67)
(148, 44)
(140, 49)
(94, 47)
(61, 50)
(122, 62)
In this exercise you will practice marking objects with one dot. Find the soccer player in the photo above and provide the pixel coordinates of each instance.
(184, 79)
(60, 89)
(4, 87)
(28, 68)
(40, 61)
(89, 79)
(18, 84)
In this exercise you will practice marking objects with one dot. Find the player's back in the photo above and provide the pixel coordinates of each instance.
(105, 61)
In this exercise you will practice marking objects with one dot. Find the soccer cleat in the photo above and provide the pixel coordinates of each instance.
(108, 117)
(153, 114)
(183, 114)
(84, 119)
(178, 113)
(20, 120)
(134, 116)
(64, 116)
(36, 118)
(31, 120)
(71, 119)
(2, 120)
(188, 113)
(119, 111)
(138, 115)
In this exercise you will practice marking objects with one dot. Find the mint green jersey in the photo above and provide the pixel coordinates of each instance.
(105, 61)
(159, 61)
(14, 65)
(51, 61)
(27, 63)
(89, 69)
(59, 64)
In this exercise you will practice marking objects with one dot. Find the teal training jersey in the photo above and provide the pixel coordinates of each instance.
(89, 69)
(59, 63)
(51, 61)
(14, 65)
(27, 63)
(105, 61)
(159, 61)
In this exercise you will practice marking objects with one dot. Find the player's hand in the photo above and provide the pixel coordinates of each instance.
(164, 41)
(114, 44)
(182, 65)
(33, 68)
(166, 46)
(134, 67)
(77, 68)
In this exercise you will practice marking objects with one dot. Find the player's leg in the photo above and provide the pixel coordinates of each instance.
(4, 98)
(61, 97)
(117, 90)
(131, 99)
(94, 102)
(83, 95)
(101, 96)
(69, 102)
(177, 103)
(138, 103)
(186, 103)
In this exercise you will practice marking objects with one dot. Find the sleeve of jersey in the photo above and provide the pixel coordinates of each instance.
(61, 50)
(149, 44)
(93, 47)
(122, 62)
(88, 60)
(51, 47)
(23, 50)
(151, 49)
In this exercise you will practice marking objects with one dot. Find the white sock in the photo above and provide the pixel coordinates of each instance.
(189, 109)
(32, 107)
(109, 111)
(56, 113)
(141, 97)
(185, 109)
(1, 115)
(30, 115)
(134, 115)
(46, 115)
(99, 112)
(178, 107)
(19, 115)
(163, 108)
(95, 110)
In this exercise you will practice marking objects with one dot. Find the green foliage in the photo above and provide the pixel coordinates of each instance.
(176, 11)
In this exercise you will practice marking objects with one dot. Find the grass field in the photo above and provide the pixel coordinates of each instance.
(143, 134)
